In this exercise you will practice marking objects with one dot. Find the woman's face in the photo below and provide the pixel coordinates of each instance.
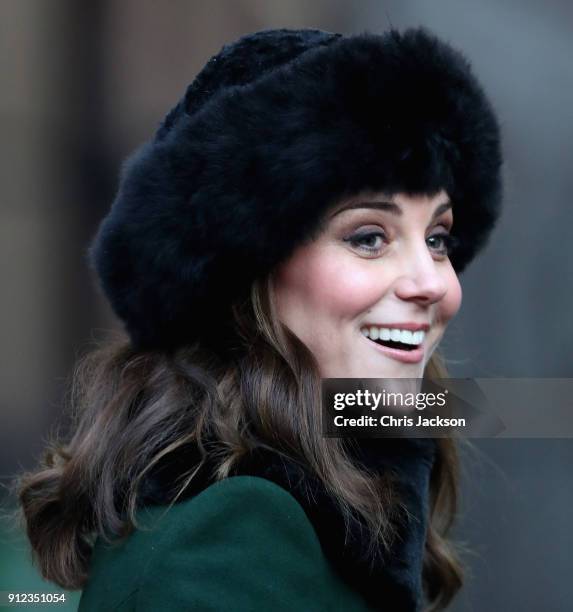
(372, 295)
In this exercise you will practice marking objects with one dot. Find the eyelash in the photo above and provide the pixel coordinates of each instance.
(450, 242)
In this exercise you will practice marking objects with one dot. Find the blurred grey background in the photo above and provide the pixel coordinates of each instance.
(83, 83)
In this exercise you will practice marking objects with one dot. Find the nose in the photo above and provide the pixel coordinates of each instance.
(422, 281)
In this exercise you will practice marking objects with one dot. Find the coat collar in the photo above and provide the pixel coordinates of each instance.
(392, 581)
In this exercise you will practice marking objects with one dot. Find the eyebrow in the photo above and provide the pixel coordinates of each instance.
(391, 207)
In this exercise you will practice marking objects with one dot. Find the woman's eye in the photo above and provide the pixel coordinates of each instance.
(369, 242)
(443, 244)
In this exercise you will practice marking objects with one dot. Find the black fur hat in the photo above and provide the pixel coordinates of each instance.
(275, 129)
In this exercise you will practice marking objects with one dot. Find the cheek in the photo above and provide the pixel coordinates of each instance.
(452, 301)
(348, 289)
(323, 281)
(340, 287)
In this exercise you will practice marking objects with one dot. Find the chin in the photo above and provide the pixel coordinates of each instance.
(392, 370)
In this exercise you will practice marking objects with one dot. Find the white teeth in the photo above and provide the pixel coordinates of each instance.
(396, 335)
(407, 337)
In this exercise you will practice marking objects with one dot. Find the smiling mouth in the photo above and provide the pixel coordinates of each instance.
(403, 340)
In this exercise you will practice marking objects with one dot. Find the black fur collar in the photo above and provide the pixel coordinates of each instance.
(390, 582)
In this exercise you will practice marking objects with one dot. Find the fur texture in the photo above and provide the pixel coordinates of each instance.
(276, 128)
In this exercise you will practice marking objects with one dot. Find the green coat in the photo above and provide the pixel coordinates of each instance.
(243, 544)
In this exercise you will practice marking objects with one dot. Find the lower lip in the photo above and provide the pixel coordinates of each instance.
(413, 356)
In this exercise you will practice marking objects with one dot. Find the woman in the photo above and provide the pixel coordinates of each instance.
(293, 211)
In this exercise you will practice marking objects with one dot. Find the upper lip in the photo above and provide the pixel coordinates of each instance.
(409, 326)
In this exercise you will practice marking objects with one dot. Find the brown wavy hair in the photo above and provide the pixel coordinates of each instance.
(131, 410)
